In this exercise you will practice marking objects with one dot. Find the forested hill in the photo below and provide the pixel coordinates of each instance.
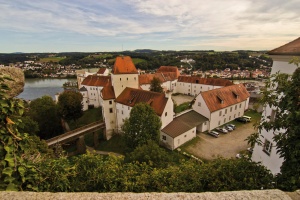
(147, 59)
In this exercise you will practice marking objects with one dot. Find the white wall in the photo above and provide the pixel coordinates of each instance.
(109, 116)
(84, 100)
(94, 95)
(167, 115)
(123, 112)
(121, 81)
(193, 88)
(174, 143)
(200, 107)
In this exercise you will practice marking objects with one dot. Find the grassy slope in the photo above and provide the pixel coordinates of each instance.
(53, 59)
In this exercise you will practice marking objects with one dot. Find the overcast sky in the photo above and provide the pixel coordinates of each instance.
(113, 25)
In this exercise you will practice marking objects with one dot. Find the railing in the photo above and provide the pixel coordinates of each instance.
(71, 135)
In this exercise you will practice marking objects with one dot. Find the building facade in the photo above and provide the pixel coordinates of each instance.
(267, 153)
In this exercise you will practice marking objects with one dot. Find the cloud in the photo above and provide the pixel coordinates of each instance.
(191, 23)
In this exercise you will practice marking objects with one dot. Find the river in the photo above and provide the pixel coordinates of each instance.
(38, 87)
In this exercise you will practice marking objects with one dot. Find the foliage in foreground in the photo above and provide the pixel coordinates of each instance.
(96, 173)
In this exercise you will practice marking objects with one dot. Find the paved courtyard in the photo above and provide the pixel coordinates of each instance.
(226, 145)
(179, 99)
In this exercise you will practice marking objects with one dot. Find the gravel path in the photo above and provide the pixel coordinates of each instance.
(226, 145)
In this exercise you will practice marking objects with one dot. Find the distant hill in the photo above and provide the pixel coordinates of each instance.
(144, 50)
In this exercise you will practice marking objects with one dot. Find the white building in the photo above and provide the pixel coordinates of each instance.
(193, 85)
(222, 105)
(267, 153)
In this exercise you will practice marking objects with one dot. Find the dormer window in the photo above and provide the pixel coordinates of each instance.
(235, 94)
(220, 99)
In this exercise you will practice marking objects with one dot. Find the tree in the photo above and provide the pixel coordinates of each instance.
(69, 105)
(155, 85)
(143, 125)
(151, 154)
(44, 111)
(282, 93)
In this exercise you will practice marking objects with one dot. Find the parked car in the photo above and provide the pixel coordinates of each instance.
(213, 133)
(222, 130)
(247, 117)
(228, 128)
(232, 126)
(241, 119)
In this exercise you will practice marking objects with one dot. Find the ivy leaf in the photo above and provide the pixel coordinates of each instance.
(8, 171)
(11, 187)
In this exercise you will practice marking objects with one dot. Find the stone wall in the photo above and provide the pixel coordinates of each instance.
(254, 194)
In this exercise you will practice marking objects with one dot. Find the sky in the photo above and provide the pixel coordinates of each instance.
(115, 25)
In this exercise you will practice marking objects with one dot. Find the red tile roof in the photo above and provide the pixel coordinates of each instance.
(93, 80)
(131, 96)
(124, 65)
(164, 69)
(108, 93)
(205, 81)
(101, 70)
(163, 77)
(291, 48)
(223, 97)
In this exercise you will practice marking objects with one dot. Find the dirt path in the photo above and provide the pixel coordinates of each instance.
(226, 146)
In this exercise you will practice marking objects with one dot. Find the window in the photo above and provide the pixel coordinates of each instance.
(235, 107)
(120, 79)
(267, 147)
(224, 120)
(229, 118)
(122, 112)
(110, 102)
(110, 110)
(128, 108)
(230, 109)
(220, 113)
(239, 114)
(135, 78)
(234, 116)
(273, 116)
(240, 105)
(127, 79)
(166, 114)
(199, 104)
(164, 137)
(225, 111)
(185, 135)
(219, 123)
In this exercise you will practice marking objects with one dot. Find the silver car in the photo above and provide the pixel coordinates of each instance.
(213, 133)
(222, 130)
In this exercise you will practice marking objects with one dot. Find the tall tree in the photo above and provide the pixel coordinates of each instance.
(44, 111)
(283, 95)
(155, 85)
(70, 105)
(143, 125)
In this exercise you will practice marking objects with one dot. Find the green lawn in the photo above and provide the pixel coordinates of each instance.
(88, 117)
(115, 144)
(137, 60)
(182, 107)
(53, 59)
